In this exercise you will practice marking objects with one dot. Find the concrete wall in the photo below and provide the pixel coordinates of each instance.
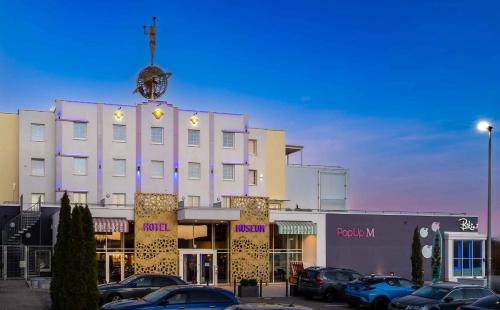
(275, 164)
(28, 149)
(9, 163)
(389, 249)
(317, 187)
(258, 162)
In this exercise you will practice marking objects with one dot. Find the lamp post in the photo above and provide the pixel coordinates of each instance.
(487, 127)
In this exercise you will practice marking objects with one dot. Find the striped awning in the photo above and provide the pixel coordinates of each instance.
(110, 224)
(296, 228)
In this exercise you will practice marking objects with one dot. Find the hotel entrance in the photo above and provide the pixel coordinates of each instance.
(198, 266)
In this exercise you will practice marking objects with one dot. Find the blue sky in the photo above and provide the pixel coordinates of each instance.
(390, 89)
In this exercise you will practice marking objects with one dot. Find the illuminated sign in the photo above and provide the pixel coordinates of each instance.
(250, 228)
(194, 120)
(119, 114)
(467, 225)
(155, 227)
(356, 232)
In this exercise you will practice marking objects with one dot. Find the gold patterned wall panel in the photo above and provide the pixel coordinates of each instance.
(156, 233)
(249, 239)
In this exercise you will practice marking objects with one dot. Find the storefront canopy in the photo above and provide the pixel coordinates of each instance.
(110, 224)
(296, 228)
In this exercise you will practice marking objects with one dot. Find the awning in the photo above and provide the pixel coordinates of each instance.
(296, 228)
(110, 224)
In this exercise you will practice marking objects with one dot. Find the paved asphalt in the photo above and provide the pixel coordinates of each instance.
(15, 294)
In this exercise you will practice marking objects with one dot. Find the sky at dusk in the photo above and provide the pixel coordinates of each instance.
(391, 90)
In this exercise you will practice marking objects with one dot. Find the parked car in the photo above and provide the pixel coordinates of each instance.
(136, 286)
(179, 297)
(268, 307)
(441, 296)
(377, 291)
(327, 282)
(490, 302)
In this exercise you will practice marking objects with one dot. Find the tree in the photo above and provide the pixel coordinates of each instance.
(61, 279)
(76, 268)
(436, 257)
(89, 258)
(416, 259)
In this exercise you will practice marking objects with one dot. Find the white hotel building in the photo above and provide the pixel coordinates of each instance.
(102, 154)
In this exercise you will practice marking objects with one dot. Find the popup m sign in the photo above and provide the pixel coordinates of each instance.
(356, 232)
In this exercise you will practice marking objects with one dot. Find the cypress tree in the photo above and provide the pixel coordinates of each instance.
(76, 268)
(61, 259)
(416, 259)
(436, 258)
(89, 261)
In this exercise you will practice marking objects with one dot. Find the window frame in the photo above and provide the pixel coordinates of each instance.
(198, 137)
(153, 162)
(39, 195)
(233, 135)
(255, 181)
(74, 130)
(113, 195)
(190, 199)
(255, 149)
(43, 132)
(42, 160)
(162, 130)
(84, 194)
(124, 167)
(191, 164)
(75, 159)
(124, 127)
(233, 172)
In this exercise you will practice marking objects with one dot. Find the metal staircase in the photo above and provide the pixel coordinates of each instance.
(21, 223)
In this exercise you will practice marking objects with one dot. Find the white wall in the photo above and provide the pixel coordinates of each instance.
(258, 162)
(36, 149)
(306, 184)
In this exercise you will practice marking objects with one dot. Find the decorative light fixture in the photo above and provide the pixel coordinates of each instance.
(119, 114)
(194, 119)
(157, 113)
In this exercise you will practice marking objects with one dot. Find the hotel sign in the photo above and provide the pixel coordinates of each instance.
(466, 224)
(250, 228)
(356, 232)
(155, 227)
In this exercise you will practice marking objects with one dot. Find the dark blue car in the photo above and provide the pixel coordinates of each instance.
(377, 291)
(179, 297)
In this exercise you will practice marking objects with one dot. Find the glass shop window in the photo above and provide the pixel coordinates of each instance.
(467, 258)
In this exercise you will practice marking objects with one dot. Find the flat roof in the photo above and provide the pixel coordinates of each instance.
(290, 148)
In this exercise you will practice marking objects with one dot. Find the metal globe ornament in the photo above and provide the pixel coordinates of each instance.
(152, 82)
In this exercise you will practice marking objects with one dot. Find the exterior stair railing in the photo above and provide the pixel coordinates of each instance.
(21, 223)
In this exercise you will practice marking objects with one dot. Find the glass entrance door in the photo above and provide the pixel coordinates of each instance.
(198, 266)
(114, 267)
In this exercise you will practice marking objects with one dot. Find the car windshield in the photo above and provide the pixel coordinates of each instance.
(157, 295)
(129, 279)
(432, 292)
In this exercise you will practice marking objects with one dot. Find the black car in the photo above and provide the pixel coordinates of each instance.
(327, 282)
(491, 302)
(440, 296)
(136, 286)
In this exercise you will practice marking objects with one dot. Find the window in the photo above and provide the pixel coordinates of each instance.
(228, 172)
(38, 167)
(252, 177)
(252, 146)
(157, 169)
(194, 170)
(118, 167)
(118, 199)
(342, 276)
(406, 283)
(119, 133)
(163, 281)
(193, 137)
(208, 297)
(467, 258)
(157, 135)
(228, 139)
(79, 130)
(79, 166)
(35, 197)
(80, 198)
(456, 295)
(193, 201)
(144, 281)
(37, 132)
(177, 298)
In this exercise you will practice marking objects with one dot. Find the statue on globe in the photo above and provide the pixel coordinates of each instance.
(152, 81)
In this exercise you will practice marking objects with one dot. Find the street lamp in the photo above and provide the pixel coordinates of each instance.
(484, 126)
